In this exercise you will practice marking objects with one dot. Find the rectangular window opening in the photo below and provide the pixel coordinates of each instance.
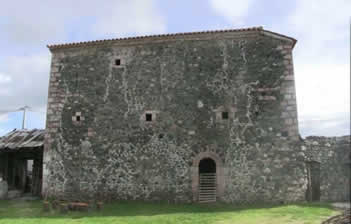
(225, 115)
(118, 62)
(78, 118)
(148, 117)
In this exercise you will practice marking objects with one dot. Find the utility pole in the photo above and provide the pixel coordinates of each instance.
(24, 114)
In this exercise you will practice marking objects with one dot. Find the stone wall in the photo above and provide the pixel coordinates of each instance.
(99, 145)
(333, 156)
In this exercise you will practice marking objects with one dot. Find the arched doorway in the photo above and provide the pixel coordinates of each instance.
(210, 163)
(207, 180)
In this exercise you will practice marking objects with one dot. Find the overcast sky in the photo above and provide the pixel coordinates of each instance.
(321, 56)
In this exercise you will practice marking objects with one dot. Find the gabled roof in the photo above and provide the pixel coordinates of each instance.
(19, 139)
(170, 35)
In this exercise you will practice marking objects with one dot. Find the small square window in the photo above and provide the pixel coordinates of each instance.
(225, 115)
(118, 62)
(78, 118)
(148, 117)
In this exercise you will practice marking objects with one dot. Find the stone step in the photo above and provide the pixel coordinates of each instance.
(207, 190)
(202, 197)
(208, 201)
(207, 194)
(207, 187)
(207, 198)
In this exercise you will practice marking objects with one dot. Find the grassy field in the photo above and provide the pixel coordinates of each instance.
(140, 212)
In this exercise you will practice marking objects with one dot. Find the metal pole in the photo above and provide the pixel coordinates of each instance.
(24, 114)
(24, 117)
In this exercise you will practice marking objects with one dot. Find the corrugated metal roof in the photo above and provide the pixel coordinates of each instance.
(23, 138)
(98, 42)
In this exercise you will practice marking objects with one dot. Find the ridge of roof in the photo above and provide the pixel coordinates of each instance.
(97, 42)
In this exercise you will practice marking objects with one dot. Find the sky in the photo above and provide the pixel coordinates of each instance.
(321, 55)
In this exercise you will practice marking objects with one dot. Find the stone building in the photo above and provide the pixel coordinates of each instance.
(199, 116)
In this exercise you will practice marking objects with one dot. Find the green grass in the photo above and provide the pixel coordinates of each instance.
(141, 212)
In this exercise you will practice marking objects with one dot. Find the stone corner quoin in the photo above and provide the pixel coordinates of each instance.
(133, 119)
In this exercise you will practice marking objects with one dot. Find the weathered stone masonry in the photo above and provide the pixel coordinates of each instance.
(331, 156)
(228, 96)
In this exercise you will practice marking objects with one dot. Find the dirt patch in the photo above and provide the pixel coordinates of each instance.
(344, 218)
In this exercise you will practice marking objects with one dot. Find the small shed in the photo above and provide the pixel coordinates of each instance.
(21, 160)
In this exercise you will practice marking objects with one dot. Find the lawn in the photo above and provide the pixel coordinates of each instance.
(140, 212)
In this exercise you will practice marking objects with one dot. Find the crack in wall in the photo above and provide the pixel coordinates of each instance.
(242, 44)
(248, 106)
(108, 82)
(225, 55)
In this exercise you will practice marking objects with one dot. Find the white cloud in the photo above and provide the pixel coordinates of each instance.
(322, 28)
(4, 79)
(3, 117)
(322, 89)
(132, 16)
(234, 11)
(31, 22)
(336, 124)
(323, 97)
(29, 81)
(321, 63)
(42, 22)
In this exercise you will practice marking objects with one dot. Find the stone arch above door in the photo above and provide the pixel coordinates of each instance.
(195, 173)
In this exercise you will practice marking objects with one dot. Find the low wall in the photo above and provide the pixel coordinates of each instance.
(332, 156)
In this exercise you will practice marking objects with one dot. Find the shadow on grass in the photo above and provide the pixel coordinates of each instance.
(34, 209)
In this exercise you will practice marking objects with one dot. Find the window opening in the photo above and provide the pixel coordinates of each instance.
(148, 117)
(225, 115)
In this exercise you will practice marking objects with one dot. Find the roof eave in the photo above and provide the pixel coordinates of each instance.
(98, 42)
(258, 29)
(280, 36)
